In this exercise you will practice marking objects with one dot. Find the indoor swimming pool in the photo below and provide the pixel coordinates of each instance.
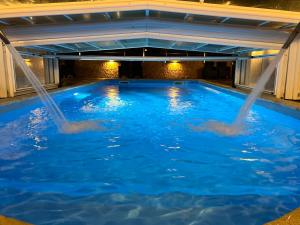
(147, 164)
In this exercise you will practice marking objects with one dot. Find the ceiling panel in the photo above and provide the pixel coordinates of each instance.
(166, 15)
(184, 45)
(242, 22)
(88, 17)
(133, 43)
(203, 19)
(127, 15)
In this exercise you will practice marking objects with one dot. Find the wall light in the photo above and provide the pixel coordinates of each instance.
(28, 62)
(265, 52)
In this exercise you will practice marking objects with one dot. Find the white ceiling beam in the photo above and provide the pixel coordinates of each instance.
(51, 19)
(121, 44)
(66, 47)
(77, 45)
(186, 17)
(200, 46)
(246, 50)
(28, 20)
(218, 10)
(287, 26)
(92, 45)
(170, 31)
(108, 17)
(29, 54)
(225, 20)
(150, 35)
(263, 23)
(3, 22)
(150, 58)
(68, 17)
(226, 48)
(42, 48)
(172, 45)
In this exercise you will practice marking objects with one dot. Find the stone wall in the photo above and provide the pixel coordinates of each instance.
(172, 70)
(151, 70)
(96, 69)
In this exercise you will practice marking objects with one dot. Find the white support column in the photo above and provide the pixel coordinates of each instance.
(3, 86)
(281, 73)
(243, 72)
(56, 71)
(7, 73)
(10, 74)
(51, 71)
(237, 76)
(288, 76)
(47, 74)
(293, 72)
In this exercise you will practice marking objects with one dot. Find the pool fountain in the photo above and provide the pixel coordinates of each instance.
(237, 126)
(58, 117)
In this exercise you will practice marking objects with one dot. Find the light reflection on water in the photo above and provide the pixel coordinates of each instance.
(114, 100)
(152, 154)
(175, 98)
(111, 101)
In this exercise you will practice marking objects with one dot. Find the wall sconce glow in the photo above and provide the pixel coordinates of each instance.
(265, 52)
(28, 62)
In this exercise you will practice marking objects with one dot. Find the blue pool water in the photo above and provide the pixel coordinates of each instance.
(148, 166)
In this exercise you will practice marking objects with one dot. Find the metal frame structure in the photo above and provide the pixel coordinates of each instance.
(53, 30)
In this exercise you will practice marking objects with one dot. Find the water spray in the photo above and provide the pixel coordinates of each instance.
(237, 126)
(58, 117)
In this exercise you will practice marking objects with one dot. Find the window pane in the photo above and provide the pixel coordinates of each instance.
(36, 65)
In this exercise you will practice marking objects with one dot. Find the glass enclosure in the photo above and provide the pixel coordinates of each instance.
(42, 68)
(251, 70)
(36, 65)
(291, 5)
